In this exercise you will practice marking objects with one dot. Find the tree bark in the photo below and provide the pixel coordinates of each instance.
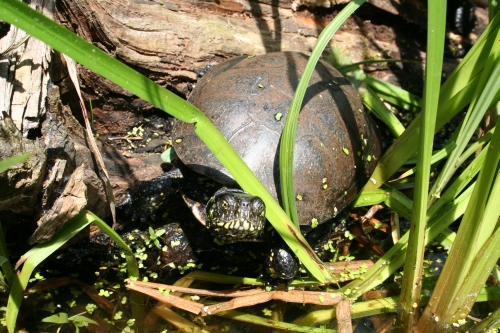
(24, 75)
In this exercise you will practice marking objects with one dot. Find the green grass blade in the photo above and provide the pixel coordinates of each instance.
(358, 310)
(396, 95)
(478, 223)
(7, 270)
(7, 163)
(288, 135)
(394, 199)
(436, 157)
(493, 8)
(63, 40)
(370, 99)
(485, 93)
(459, 184)
(273, 325)
(456, 93)
(413, 107)
(411, 285)
(446, 238)
(33, 258)
(354, 65)
(370, 198)
(374, 104)
(480, 269)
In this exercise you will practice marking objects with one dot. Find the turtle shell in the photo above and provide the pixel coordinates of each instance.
(336, 144)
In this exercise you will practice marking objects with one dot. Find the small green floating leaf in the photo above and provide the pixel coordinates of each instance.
(90, 308)
(118, 315)
(169, 155)
(59, 318)
(345, 150)
(82, 321)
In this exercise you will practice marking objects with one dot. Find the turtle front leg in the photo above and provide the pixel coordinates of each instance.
(147, 198)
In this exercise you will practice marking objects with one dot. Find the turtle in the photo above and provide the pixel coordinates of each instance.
(231, 215)
(247, 99)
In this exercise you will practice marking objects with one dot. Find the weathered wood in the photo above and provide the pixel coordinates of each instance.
(24, 76)
(343, 311)
(67, 206)
(21, 184)
(173, 39)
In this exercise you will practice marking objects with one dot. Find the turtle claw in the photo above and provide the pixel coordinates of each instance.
(197, 209)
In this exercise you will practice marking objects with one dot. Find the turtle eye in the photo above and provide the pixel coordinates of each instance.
(225, 202)
(258, 205)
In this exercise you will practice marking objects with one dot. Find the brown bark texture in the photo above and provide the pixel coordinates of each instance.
(24, 74)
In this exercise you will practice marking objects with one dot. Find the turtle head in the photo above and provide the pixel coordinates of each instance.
(233, 216)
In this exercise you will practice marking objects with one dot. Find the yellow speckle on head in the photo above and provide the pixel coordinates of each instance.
(246, 225)
(227, 225)
(252, 228)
